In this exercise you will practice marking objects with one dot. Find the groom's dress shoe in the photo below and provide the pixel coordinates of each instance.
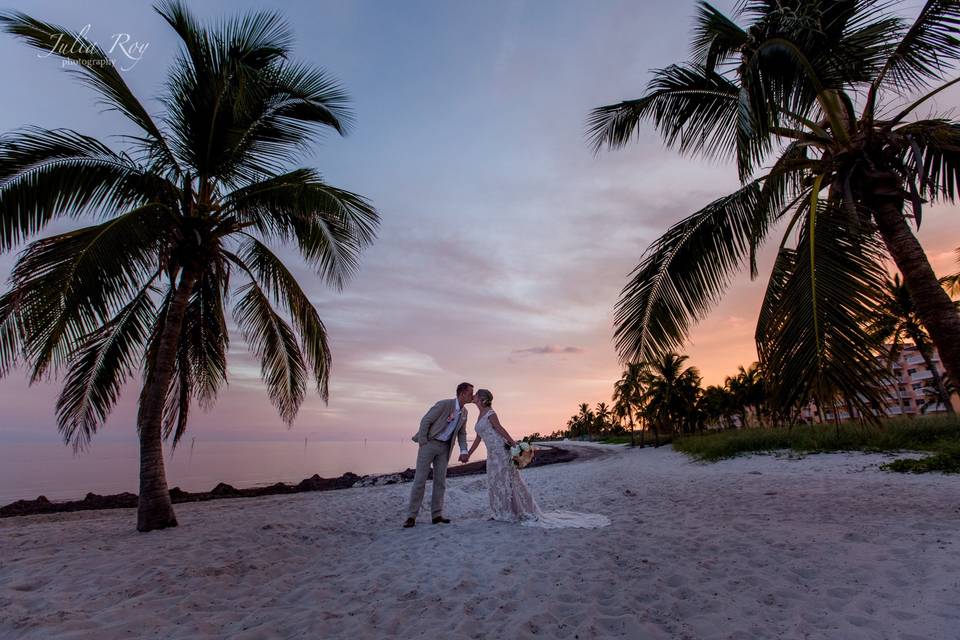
(409, 523)
(441, 520)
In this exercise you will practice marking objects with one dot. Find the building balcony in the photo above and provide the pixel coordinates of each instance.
(922, 375)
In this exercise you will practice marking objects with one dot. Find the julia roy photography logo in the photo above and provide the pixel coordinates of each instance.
(124, 52)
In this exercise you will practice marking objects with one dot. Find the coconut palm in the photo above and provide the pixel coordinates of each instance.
(718, 405)
(627, 394)
(899, 322)
(747, 392)
(811, 90)
(586, 419)
(602, 419)
(186, 216)
(671, 392)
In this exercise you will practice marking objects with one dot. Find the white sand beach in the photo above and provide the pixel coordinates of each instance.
(826, 546)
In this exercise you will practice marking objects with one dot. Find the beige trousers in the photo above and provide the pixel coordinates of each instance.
(435, 453)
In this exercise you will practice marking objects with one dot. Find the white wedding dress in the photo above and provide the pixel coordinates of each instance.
(510, 498)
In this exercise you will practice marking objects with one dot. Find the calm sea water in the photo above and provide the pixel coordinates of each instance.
(52, 470)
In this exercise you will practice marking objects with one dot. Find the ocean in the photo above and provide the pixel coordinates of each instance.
(28, 470)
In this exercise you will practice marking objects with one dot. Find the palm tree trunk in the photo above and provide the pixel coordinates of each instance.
(932, 303)
(154, 509)
(633, 442)
(924, 348)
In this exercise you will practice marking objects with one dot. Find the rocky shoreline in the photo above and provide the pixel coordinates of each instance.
(545, 455)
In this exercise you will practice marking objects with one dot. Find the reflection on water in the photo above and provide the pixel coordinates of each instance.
(51, 469)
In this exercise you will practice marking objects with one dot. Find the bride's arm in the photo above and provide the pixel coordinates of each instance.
(476, 443)
(495, 422)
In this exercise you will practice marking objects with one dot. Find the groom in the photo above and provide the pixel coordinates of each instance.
(445, 422)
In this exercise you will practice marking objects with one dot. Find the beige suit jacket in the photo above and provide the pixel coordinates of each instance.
(436, 420)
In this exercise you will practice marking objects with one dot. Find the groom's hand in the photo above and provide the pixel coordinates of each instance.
(464, 457)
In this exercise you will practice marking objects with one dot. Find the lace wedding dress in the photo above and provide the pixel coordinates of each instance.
(510, 498)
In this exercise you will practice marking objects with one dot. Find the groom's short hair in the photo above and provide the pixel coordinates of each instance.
(463, 386)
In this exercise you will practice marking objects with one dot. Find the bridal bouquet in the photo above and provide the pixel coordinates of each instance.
(522, 454)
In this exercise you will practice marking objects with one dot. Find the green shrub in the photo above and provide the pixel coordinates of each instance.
(939, 435)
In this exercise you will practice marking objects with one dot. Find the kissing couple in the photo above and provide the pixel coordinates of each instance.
(510, 498)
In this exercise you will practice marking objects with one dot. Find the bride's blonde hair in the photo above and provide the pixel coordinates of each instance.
(485, 397)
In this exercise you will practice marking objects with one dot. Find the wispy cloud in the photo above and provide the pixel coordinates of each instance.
(547, 350)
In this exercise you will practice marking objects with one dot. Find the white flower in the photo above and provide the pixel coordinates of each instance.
(515, 450)
(525, 446)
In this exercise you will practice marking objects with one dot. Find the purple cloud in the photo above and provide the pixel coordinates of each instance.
(547, 350)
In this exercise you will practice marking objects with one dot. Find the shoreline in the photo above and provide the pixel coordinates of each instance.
(546, 455)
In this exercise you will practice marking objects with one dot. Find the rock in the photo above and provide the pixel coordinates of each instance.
(223, 489)
(27, 507)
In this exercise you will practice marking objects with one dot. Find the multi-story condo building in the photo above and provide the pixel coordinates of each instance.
(910, 392)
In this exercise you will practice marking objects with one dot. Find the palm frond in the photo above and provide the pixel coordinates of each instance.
(330, 226)
(282, 286)
(937, 142)
(272, 340)
(812, 334)
(46, 173)
(693, 108)
(684, 272)
(281, 119)
(716, 38)
(928, 50)
(101, 364)
(200, 364)
(67, 286)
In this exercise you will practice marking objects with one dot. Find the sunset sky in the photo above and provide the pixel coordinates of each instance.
(504, 241)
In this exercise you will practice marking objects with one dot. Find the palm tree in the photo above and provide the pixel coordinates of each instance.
(814, 81)
(747, 392)
(718, 405)
(899, 322)
(582, 423)
(671, 391)
(186, 214)
(627, 394)
(602, 418)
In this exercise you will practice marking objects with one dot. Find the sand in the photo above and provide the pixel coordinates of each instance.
(826, 546)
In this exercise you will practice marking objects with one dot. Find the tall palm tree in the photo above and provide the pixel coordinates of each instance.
(186, 216)
(627, 394)
(671, 391)
(809, 88)
(899, 322)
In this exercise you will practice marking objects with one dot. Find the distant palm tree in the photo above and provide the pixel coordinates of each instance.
(900, 322)
(671, 392)
(800, 88)
(747, 392)
(602, 418)
(718, 405)
(627, 397)
(187, 213)
(586, 419)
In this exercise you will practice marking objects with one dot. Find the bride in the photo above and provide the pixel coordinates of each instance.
(510, 498)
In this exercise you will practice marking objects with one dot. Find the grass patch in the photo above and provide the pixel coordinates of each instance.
(938, 435)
